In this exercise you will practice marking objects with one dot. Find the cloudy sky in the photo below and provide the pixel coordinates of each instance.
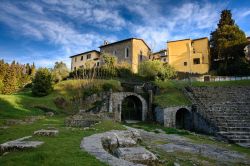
(45, 31)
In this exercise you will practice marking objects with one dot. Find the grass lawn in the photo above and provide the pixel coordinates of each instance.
(222, 83)
(63, 149)
(170, 94)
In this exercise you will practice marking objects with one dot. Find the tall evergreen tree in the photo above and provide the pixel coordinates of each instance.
(10, 81)
(227, 47)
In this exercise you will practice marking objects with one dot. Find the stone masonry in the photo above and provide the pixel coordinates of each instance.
(227, 108)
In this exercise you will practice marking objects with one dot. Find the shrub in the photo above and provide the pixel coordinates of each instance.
(60, 71)
(156, 70)
(42, 83)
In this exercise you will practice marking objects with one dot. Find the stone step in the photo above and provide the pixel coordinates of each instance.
(236, 140)
(235, 124)
(246, 118)
(233, 133)
(222, 128)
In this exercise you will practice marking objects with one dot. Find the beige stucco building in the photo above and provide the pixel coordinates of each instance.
(161, 55)
(188, 55)
(132, 50)
(85, 59)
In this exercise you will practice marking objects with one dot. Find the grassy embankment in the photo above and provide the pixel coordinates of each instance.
(63, 149)
(23, 103)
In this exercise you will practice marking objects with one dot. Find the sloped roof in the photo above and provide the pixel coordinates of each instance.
(85, 53)
(121, 41)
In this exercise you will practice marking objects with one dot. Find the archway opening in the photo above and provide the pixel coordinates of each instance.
(183, 119)
(131, 109)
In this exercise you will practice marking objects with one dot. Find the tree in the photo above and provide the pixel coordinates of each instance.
(42, 83)
(227, 46)
(10, 81)
(60, 71)
(156, 70)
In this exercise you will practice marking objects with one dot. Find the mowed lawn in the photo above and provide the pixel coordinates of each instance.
(63, 149)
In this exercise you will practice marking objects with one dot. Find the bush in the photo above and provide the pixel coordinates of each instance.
(156, 69)
(42, 83)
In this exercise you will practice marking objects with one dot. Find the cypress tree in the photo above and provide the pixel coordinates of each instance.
(227, 47)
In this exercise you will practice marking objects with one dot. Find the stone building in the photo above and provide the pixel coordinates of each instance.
(161, 55)
(131, 50)
(85, 59)
(189, 56)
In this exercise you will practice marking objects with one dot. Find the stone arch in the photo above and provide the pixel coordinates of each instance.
(116, 104)
(183, 119)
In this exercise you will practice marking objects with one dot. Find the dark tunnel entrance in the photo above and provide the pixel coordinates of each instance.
(131, 108)
(183, 119)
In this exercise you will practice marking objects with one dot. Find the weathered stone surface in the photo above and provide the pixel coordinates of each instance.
(19, 144)
(83, 120)
(137, 155)
(176, 143)
(93, 145)
(204, 150)
(50, 114)
(44, 132)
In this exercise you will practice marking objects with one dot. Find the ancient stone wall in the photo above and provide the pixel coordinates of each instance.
(115, 104)
(227, 109)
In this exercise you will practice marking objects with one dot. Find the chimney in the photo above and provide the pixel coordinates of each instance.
(105, 42)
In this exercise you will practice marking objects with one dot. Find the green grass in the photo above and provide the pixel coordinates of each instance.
(223, 83)
(170, 94)
(23, 103)
(63, 149)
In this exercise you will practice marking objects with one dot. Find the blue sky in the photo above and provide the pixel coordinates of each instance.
(46, 31)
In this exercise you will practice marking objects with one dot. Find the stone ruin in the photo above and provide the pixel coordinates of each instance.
(119, 148)
(19, 144)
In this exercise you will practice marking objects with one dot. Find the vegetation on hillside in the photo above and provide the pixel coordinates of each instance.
(156, 70)
(170, 94)
(14, 76)
(60, 72)
(42, 84)
(227, 47)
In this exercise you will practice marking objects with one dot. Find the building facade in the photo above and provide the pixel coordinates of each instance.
(86, 59)
(132, 50)
(189, 56)
(161, 55)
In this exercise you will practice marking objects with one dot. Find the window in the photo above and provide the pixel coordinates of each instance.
(97, 64)
(74, 68)
(126, 52)
(81, 58)
(88, 56)
(185, 63)
(75, 59)
(141, 56)
(193, 50)
(196, 61)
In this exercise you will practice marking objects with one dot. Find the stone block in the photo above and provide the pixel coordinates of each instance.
(44, 132)
(138, 155)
